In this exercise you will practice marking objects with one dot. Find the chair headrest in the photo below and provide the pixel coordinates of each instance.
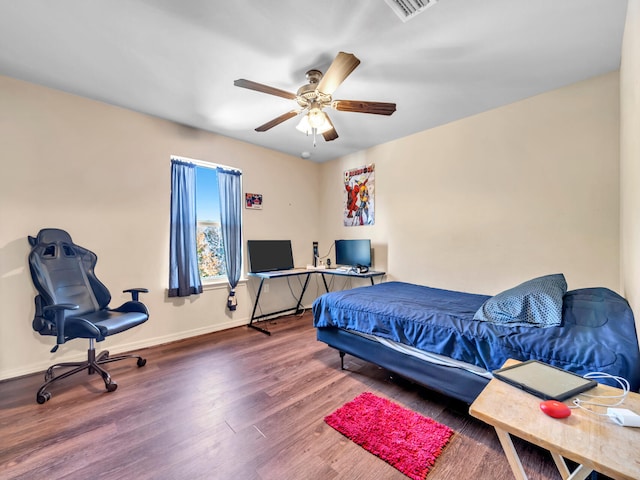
(50, 235)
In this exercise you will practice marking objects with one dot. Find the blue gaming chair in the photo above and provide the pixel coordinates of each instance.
(73, 303)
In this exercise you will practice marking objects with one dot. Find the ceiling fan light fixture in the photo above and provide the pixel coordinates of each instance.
(307, 127)
(304, 126)
(317, 118)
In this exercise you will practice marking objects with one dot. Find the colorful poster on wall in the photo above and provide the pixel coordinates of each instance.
(359, 186)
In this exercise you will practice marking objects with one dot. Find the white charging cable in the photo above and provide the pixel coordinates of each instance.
(622, 382)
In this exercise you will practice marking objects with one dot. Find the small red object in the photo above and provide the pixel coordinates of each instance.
(555, 409)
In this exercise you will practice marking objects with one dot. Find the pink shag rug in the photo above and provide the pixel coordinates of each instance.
(404, 439)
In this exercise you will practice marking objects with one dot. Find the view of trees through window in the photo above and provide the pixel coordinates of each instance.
(209, 237)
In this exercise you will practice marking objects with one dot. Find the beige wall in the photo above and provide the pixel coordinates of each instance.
(630, 158)
(476, 205)
(489, 201)
(103, 174)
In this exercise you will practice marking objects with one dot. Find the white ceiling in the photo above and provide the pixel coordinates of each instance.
(177, 59)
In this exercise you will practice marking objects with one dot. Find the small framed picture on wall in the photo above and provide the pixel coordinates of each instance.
(253, 201)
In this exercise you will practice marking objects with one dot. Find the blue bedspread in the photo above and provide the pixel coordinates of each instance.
(597, 333)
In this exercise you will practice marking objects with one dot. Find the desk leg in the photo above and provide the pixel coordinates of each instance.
(304, 289)
(580, 473)
(512, 455)
(253, 314)
(324, 280)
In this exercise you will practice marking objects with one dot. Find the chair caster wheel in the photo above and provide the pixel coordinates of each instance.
(111, 387)
(142, 362)
(43, 397)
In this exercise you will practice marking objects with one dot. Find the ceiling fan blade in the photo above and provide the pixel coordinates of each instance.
(340, 68)
(259, 87)
(277, 121)
(330, 134)
(378, 108)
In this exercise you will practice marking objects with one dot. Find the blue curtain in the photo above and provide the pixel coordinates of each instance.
(230, 188)
(184, 276)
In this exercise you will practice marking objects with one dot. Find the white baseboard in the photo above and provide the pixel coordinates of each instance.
(41, 366)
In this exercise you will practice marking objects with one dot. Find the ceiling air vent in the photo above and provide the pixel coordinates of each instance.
(407, 9)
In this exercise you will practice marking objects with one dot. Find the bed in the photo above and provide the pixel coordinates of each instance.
(451, 341)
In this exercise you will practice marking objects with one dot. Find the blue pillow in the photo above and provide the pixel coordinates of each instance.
(535, 303)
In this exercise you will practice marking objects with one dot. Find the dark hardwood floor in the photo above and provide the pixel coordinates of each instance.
(235, 405)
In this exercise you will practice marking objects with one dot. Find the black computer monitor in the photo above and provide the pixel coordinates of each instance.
(269, 255)
(353, 252)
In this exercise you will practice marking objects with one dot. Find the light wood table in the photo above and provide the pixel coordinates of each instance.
(594, 442)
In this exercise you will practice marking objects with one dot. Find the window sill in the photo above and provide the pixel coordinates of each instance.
(220, 284)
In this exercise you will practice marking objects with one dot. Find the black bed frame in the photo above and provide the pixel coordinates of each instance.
(454, 382)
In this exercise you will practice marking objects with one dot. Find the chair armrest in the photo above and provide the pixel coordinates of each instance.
(60, 307)
(58, 310)
(135, 292)
(131, 306)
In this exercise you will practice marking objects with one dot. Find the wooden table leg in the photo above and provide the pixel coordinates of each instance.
(512, 455)
(580, 473)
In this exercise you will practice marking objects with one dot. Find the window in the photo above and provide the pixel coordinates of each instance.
(205, 228)
(210, 246)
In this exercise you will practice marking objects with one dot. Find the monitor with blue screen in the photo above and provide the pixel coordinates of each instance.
(353, 253)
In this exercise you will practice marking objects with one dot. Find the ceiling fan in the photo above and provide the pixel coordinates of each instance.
(313, 97)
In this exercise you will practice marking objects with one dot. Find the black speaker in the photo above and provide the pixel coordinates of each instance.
(315, 254)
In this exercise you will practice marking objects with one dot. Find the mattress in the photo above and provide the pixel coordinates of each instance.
(597, 332)
(432, 358)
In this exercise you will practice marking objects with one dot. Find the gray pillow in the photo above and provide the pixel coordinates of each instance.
(534, 303)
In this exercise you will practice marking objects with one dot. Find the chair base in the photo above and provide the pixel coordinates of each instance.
(92, 365)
